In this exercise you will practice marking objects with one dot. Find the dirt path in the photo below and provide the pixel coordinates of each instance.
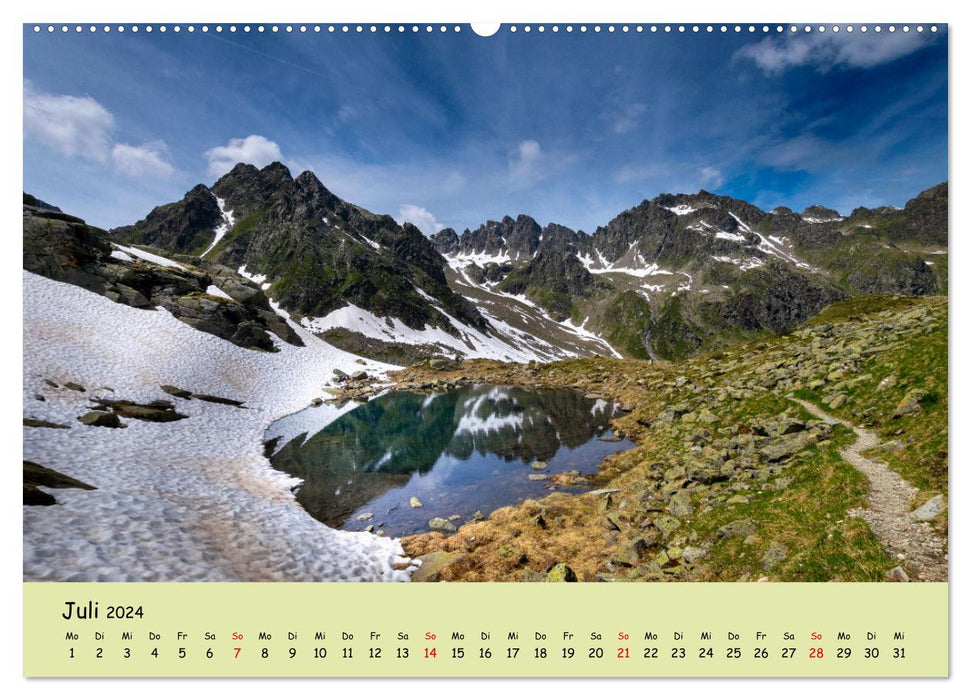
(916, 544)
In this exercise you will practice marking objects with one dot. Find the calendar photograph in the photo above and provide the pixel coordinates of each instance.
(592, 303)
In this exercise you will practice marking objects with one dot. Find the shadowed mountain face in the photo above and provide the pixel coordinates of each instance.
(318, 251)
(671, 276)
(447, 447)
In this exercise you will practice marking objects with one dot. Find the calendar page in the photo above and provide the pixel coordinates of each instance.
(514, 350)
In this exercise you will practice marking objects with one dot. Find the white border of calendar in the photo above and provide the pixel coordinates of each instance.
(830, 11)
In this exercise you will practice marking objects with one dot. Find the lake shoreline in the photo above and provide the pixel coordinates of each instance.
(409, 462)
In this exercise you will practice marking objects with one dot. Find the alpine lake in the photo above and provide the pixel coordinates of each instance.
(397, 462)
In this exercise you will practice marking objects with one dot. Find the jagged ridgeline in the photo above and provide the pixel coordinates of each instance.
(669, 277)
(318, 252)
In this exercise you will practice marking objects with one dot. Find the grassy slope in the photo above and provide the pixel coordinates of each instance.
(801, 507)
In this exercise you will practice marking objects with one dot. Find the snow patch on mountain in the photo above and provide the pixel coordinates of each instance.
(816, 220)
(149, 257)
(258, 279)
(772, 248)
(741, 263)
(213, 290)
(681, 209)
(592, 265)
(584, 333)
(120, 255)
(650, 271)
(470, 342)
(222, 229)
(459, 261)
(725, 235)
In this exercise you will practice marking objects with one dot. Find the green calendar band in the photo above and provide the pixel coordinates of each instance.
(456, 630)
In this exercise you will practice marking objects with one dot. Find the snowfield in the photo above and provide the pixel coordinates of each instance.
(190, 500)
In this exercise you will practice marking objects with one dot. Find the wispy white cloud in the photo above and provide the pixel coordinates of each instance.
(636, 173)
(525, 163)
(668, 177)
(826, 51)
(254, 149)
(711, 177)
(802, 152)
(420, 217)
(147, 160)
(629, 117)
(80, 126)
(68, 124)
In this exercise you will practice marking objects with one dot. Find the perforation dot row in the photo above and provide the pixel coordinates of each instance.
(414, 28)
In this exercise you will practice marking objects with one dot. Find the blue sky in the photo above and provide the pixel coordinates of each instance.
(454, 129)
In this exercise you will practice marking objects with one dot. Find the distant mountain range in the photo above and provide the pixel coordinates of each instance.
(669, 277)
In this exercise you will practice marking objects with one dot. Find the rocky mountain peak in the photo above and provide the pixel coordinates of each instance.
(183, 226)
(245, 184)
(319, 251)
(820, 214)
(307, 180)
(516, 238)
(445, 241)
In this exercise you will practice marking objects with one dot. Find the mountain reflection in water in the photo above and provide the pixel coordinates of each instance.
(458, 452)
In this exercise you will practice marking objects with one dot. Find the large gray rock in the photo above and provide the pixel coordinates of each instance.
(441, 525)
(680, 504)
(101, 419)
(433, 563)
(785, 446)
(736, 528)
(931, 509)
(898, 575)
(774, 555)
